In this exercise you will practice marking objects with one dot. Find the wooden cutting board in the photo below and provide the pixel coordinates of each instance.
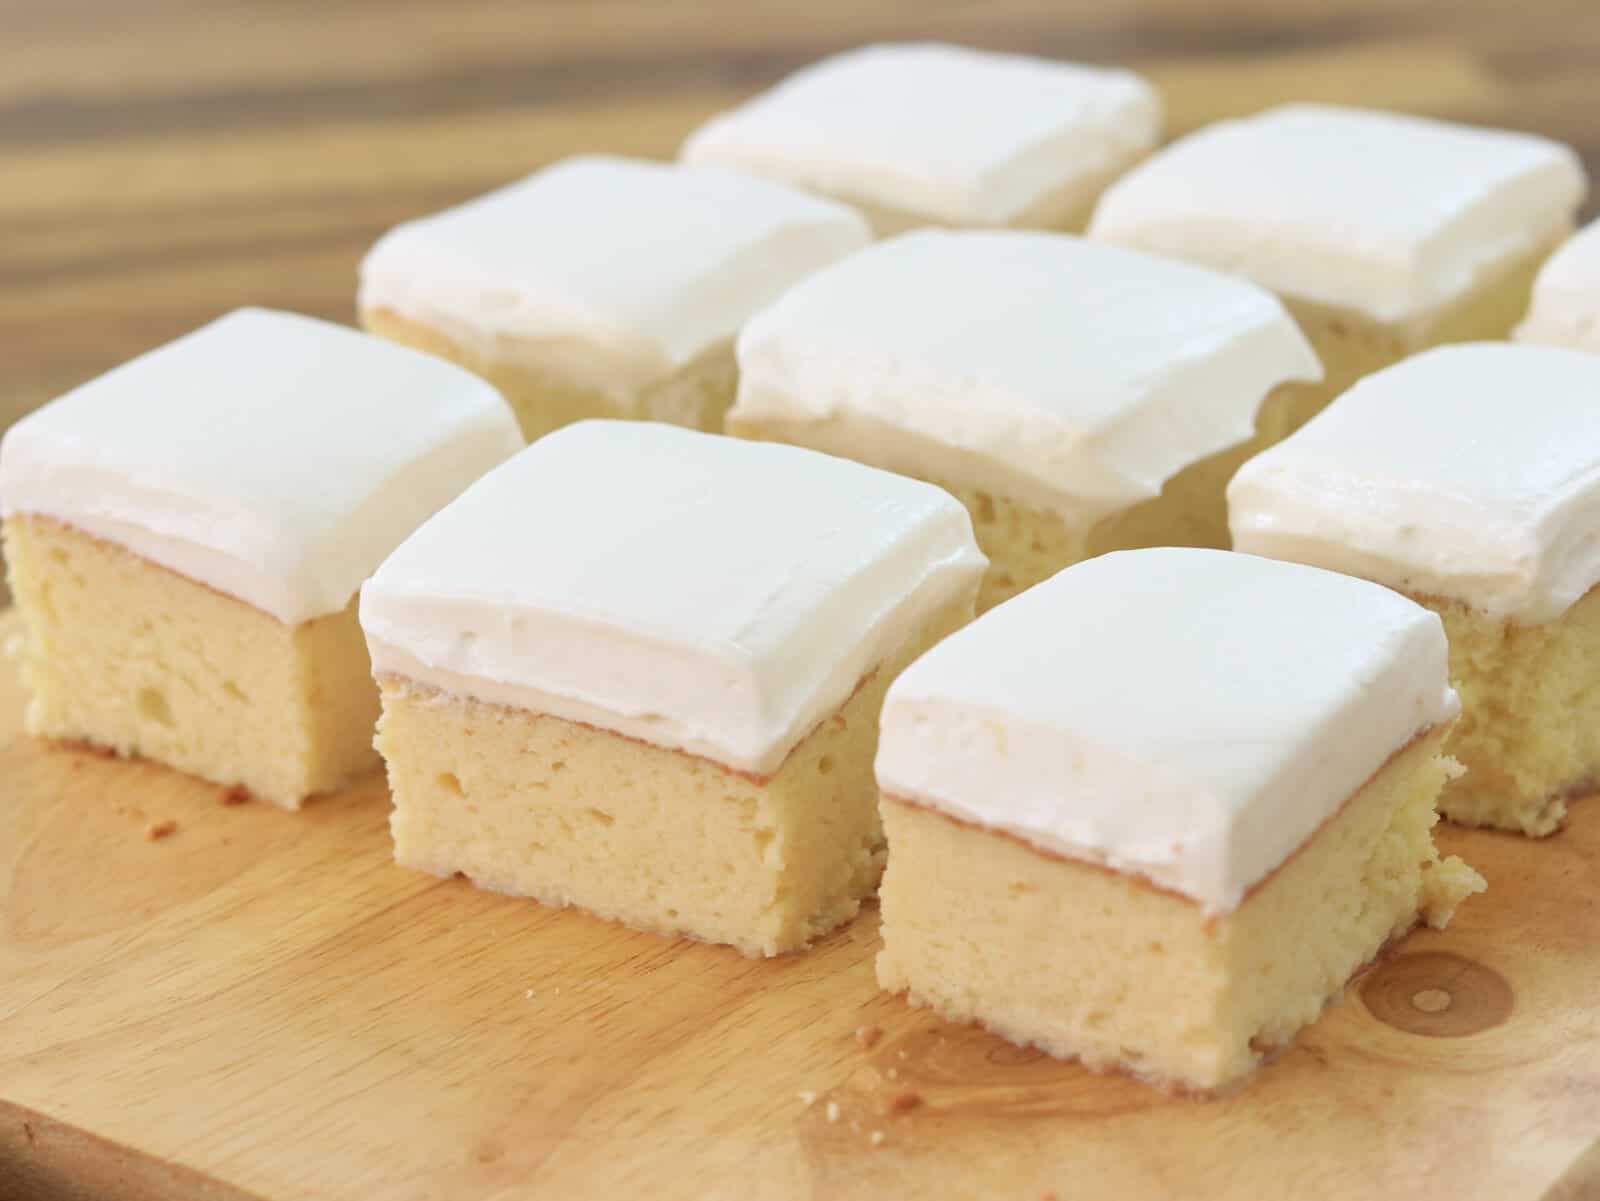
(261, 1004)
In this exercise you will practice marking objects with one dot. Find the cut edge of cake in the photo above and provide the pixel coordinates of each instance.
(677, 843)
(1234, 1003)
(182, 678)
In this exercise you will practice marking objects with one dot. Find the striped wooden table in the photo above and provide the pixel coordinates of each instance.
(262, 1006)
(166, 161)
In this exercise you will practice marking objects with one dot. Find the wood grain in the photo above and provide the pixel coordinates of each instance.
(166, 167)
(262, 1005)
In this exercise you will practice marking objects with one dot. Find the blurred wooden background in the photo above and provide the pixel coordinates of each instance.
(163, 161)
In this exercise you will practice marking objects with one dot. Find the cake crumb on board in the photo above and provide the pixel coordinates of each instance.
(868, 1036)
(904, 1102)
(832, 1111)
(164, 828)
(232, 794)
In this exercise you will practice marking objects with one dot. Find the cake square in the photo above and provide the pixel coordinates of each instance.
(185, 536)
(1565, 310)
(1385, 234)
(637, 669)
(927, 134)
(1155, 812)
(1077, 397)
(1467, 478)
(601, 287)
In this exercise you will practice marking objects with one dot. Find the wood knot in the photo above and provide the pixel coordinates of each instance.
(1437, 994)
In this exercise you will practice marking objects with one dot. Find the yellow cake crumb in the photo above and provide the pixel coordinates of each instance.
(1527, 733)
(1025, 544)
(126, 655)
(1352, 345)
(1091, 964)
(534, 805)
(697, 396)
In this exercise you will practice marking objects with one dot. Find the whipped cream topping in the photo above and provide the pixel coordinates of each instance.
(1187, 716)
(612, 272)
(1390, 216)
(689, 590)
(275, 458)
(941, 134)
(1074, 376)
(1470, 472)
(1566, 296)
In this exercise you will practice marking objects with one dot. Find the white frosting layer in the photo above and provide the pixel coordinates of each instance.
(1470, 472)
(1075, 376)
(613, 273)
(696, 592)
(1391, 216)
(940, 133)
(1188, 716)
(1566, 296)
(275, 458)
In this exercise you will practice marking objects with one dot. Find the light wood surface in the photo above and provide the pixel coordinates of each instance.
(262, 1005)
